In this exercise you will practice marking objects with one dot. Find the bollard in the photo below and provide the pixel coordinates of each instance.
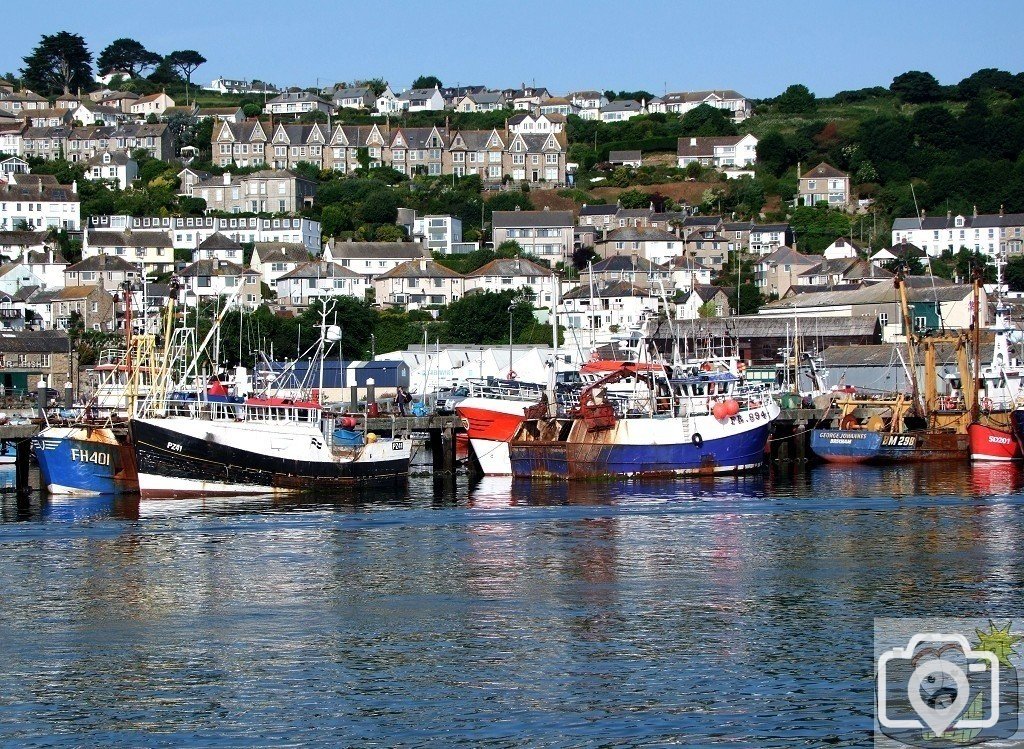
(353, 399)
(69, 395)
(371, 393)
(21, 457)
(41, 397)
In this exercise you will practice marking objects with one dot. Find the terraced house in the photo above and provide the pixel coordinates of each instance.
(494, 155)
(83, 143)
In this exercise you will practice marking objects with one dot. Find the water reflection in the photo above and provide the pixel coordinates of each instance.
(722, 611)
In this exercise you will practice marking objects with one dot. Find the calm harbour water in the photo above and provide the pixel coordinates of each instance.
(728, 612)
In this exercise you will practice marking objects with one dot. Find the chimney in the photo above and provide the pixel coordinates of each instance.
(949, 215)
(1000, 209)
(975, 211)
(74, 187)
(227, 178)
(547, 208)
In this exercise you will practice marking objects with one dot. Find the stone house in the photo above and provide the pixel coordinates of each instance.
(93, 304)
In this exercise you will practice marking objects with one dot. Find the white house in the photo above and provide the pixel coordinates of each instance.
(311, 280)
(11, 138)
(622, 110)
(614, 307)
(589, 103)
(151, 248)
(296, 103)
(503, 274)
(418, 284)
(114, 166)
(841, 248)
(440, 233)
(12, 165)
(14, 245)
(219, 246)
(681, 102)
(373, 258)
(359, 97)
(49, 265)
(766, 238)
(719, 152)
(34, 201)
(188, 232)
(387, 102)
(686, 273)
(275, 259)
(422, 100)
(207, 279)
(152, 104)
(988, 233)
(15, 276)
(531, 124)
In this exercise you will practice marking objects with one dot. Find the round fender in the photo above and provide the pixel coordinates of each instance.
(697, 440)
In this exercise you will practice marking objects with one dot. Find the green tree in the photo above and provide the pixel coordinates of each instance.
(483, 319)
(185, 62)
(378, 207)
(376, 85)
(750, 299)
(128, 55)
(916, 87)
(774, 153)
(507, 201)
(164, 73)
(59, 64)
(706, 120)
(797, 99)
(388, 233)
(634, 199)
(1014, 273)
(427, 81)
(252, 109)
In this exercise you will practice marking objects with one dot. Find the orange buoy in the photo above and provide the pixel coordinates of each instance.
(720, 411)
(732, 406)
(706, 366)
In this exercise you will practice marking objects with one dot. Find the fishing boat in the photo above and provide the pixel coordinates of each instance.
(999, 391)
(87, 453)
(928, 427)
(708, 423)
(266, 443)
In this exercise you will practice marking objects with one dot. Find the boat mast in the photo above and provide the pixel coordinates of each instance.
(976, 346)
(556, 293)
(901, 287)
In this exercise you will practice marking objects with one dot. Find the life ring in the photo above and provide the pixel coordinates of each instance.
(986, 404)
(706, 366)
(697, 440)
(512, 375)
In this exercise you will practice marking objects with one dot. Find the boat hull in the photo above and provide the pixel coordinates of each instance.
(645, 447)
(186, 457)
(989, 443)
(85, 461)
(490, 424)
(864, 446)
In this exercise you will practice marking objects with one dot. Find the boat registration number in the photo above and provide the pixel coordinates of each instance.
(90, 456)
(899, 440)
(397, 445)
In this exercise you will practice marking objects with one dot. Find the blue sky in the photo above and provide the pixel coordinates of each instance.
(757, 48)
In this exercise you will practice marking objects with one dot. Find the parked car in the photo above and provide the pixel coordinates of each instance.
(449, 398)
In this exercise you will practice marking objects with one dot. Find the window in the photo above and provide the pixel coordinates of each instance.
(920, 323)
(883, 319)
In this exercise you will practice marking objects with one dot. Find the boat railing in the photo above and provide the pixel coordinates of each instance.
(504, 389)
